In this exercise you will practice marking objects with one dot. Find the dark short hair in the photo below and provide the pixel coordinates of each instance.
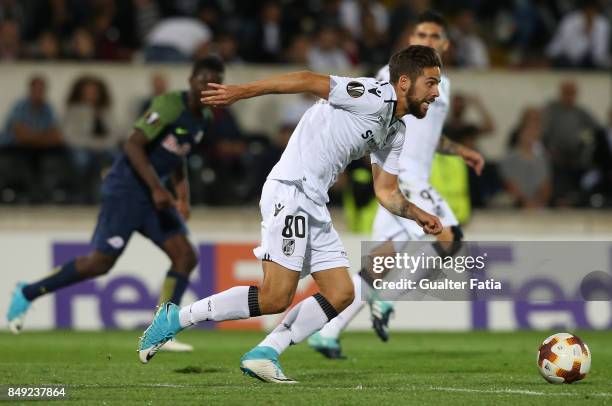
(434, 17)
(211, 63)
(411, 61)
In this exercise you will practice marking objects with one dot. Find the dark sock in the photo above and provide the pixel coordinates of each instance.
(66, 276)
(253, 299)
(174, 287)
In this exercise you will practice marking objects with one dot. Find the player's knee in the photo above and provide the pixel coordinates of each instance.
(185, 260)
(273, 302)
(99, 265)
(341, 298)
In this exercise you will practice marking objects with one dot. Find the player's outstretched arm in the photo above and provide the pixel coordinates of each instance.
(135, 150)
(472, 158)
(389, 195)
(288, 83)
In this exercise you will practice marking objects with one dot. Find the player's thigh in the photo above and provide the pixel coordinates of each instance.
(181, 251)
(117, 220)
(160, 226)
(277, 288)
(336, 286)
(284, 226)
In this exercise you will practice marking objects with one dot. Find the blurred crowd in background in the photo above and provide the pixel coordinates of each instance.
(558, 155)
(324, 34)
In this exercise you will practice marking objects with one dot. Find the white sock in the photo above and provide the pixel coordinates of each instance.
(339, 323)
(304, 319)
(231, 304)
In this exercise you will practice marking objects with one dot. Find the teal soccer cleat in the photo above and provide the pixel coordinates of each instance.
(328, 346)
(164, 327)
(17, 309)
(380, 312)
(262, 363)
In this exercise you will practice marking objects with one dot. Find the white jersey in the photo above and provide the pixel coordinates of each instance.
(357, 119)
(422, 135)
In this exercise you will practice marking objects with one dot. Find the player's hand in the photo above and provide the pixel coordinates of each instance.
(219, 95)
(473, 159)
(430, 224)
(162, 198)
(184, 209)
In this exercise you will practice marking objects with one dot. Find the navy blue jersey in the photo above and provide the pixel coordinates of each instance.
(172, 130)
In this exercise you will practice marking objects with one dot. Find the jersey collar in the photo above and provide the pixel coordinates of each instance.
(393, 100)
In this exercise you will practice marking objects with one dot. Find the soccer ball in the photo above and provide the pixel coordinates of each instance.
(564, 358)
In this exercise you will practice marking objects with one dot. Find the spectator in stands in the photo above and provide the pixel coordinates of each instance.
(459, 129)
(47, 47)
(467, 132)
(177, 39)
(10, 42)
(112, 29)
(326, 54)
(263, 39)
(81, 45)
(568, 135)
(31, 122)
(90, 131)
(353, 14)
(405, 13)
(159, 86)
(34, 144)
(582, 39)
(373, 45)
(147, 14)
(525, 170)
(298, 50)
(226, 46)
(468, 49)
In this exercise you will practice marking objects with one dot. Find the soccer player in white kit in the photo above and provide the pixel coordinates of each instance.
(356, 116)
(422, 139)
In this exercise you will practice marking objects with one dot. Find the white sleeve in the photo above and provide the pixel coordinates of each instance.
(356, 95)
(389, 158)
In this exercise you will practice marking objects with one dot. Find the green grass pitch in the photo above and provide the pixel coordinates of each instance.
(475, 368)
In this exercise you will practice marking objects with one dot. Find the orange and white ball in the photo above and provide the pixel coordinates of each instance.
(564, 358)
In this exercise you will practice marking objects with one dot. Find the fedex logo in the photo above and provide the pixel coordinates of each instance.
(218, 270)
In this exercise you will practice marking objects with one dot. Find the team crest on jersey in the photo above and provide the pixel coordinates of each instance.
(355, 89)
(152, 117)
(288, 246)
(171, 144)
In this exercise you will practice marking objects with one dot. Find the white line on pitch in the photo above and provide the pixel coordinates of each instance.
(517, 392)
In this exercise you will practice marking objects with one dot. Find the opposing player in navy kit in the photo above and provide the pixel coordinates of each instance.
(355, 116)
(135, 198)
(423, 139)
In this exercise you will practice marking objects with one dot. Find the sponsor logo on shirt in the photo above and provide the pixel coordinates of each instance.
(170, 143)
(355, 89)
(152, 117)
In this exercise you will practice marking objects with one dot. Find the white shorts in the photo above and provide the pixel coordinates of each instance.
(388, 227)
(296, 232)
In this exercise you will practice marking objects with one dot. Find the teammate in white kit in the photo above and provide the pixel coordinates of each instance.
(355, 116)
(423, 138)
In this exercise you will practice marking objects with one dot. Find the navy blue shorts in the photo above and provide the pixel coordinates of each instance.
(119, 217)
